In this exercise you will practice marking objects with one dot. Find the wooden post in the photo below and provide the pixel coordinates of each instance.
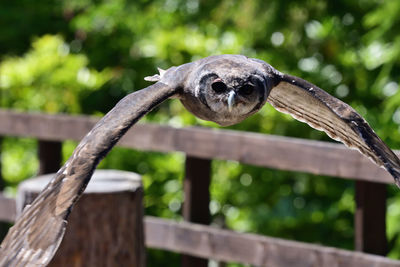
(105, 227)
(197, 200)
(370, 218)
(49, 156)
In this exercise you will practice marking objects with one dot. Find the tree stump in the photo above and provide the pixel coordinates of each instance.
(105, 228)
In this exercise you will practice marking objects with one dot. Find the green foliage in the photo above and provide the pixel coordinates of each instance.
(48, 78)
(349, 48)
(18, 159)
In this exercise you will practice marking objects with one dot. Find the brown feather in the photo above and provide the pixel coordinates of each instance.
(310, 104)
(38, 232)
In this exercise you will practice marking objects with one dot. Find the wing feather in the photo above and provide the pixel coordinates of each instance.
(38, 232)
(310, 104)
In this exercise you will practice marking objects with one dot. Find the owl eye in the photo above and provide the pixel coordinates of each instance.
(247, 89)
(218, 87)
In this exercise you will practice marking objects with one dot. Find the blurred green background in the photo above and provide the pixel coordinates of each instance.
(82, 56)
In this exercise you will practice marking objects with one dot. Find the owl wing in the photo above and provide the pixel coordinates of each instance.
(312, 105)
(38, 232)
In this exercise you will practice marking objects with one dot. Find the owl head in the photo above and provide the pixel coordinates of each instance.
(226, 89)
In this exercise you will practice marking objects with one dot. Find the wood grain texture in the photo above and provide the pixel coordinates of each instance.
(106, 226)
(317, 157)
(7, 209)
(223, 245)
(310, 104)
(197, 200)
(39, 229)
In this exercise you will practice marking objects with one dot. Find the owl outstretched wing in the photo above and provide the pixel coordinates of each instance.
(312, 105)
(35, 237)
(38, 232)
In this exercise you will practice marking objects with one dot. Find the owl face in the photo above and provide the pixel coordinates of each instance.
(231, 96)
(227, 91)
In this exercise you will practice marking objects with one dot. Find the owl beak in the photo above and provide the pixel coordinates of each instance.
(231, 100)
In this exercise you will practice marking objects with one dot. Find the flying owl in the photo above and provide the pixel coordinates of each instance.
(224, 89)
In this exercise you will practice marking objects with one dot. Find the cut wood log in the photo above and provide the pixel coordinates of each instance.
(105, 227)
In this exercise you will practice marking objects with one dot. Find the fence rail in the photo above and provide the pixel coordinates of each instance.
(224, 245)
(201, 146)
(284, 153)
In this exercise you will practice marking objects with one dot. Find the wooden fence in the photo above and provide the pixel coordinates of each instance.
(201, 146)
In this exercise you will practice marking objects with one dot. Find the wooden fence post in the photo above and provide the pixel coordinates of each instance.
(197, 200)
(49, 156)
(370, 217)
(105, 227)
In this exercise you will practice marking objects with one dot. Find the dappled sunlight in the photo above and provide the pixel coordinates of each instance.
(75, 57)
